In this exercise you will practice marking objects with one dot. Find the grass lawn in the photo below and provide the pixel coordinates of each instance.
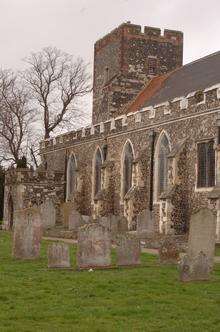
(217, 250)
(147, 298)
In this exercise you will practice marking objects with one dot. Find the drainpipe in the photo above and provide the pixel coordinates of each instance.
(152, 137)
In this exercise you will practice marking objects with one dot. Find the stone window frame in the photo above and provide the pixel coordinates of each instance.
(71, 156)
(156, 164)
(150, 59)
(204, 189)
(128, 141)
(98, 148)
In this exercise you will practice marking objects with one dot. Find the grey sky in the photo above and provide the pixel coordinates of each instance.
(74, 25)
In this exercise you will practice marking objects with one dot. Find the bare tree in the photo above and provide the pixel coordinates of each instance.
(15, 116)
(56, 82)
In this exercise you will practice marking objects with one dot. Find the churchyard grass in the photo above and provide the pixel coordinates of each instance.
(217, 250)
(149, 298)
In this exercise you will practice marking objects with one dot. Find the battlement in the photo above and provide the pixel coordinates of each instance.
(150, 116)
(27, 175)
(126, 29)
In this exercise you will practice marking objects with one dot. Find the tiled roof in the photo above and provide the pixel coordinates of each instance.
(194, 76)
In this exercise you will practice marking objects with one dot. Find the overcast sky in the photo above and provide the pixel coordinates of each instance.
(74, 25)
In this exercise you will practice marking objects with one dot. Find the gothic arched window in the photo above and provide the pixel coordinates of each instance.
(97, 171)
(128, 158)
(163, 150)
(71, 178)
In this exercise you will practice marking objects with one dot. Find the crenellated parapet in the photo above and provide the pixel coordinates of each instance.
(126, 29)
(192, 104)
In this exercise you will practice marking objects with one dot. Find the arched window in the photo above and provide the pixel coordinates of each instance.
(128, 158)
(97, 171)
(163, 150)
(71, 177)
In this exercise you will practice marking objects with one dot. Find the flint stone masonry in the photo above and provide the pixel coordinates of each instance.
(195, 268)
(145, 222)
(169, 252)
(58, 255)
(128, 249)
(202, 235)
(94, 246)
(27, 233)
(48, 213)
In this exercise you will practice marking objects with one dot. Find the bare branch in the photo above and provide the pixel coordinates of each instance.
(56, 83)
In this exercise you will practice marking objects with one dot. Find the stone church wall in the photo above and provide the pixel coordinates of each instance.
(189, 124)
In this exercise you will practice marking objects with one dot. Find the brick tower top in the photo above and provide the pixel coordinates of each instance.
(125, 59)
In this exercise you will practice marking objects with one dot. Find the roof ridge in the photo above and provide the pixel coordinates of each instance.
(203, 58)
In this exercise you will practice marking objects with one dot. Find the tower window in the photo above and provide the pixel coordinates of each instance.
(106, 75)
(206, 164)
(152, 65)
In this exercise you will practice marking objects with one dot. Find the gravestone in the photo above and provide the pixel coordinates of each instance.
(58, 255)
(169, 252)
(86, 219)
(115, 224)
(75, 220)
(94, 246)
(65, 209)
(27, 233)
(145, 223)
(128, 249)
(122, 224)
(202, 235)
(48, 212)
(194, 269)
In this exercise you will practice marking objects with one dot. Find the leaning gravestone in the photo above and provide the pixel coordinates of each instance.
(48, 212)
(199, 260)
(169, 252)
(145, 222)
(94, 246)
(58, 255)
(27, 233)
(128, 249)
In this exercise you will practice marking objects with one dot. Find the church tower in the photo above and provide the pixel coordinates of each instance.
(125, 60)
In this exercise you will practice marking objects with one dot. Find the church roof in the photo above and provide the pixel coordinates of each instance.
(194, 76)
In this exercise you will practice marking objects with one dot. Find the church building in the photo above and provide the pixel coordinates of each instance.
(154, 141)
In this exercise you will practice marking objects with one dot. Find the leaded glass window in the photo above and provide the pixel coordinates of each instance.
(97, 172)
(71, 177)
(163, 153)
(206, 164)
(127, 168)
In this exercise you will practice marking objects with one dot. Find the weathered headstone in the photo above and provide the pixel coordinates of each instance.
(75, 220)
(128, 249)
(194, 269)
(202, 235)
(65, 209)
(86, 219)
(145, 222)
(48, 212)
(122, 224)
(169, 252)
(94, 246)
(27, 233)
(58, 255)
